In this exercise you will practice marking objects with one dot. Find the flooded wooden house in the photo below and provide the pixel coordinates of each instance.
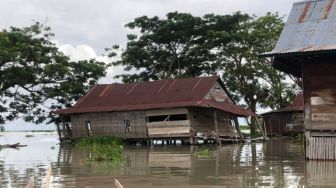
(307, 49)
(285, 121)
(167, 109)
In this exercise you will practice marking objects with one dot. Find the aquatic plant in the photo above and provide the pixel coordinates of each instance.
(300, 138)
(106, 153)
(104, 148)
(202, 153)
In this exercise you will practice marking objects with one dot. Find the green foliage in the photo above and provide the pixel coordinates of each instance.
(102, 148)
(182, 45)
(300, 138)
(106, 153)
(166, 48)
(35, 77)
(202, 153)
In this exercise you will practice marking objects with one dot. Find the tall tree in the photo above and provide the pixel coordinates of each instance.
(166, 48)
(248, 76)
(35, 77)
(182, 45)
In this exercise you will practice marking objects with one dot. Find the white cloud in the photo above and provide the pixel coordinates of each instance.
(100, 24)
(86, 52)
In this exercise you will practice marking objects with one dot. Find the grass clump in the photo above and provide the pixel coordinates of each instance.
(103, 148)
(202, 153)
(29, 135)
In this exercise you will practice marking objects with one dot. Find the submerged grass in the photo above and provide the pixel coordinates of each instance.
(101, 148)
(202, 153)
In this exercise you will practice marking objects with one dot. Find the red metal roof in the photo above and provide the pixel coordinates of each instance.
(296, 105)
(185, 92)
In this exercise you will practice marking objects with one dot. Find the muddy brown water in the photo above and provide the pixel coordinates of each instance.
(277, 163)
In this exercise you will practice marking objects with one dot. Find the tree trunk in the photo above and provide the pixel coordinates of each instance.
(253, 120)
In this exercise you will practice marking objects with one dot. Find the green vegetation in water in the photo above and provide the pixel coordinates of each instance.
(29, 135)
(300, 138)
(101, 148)
(202, 153)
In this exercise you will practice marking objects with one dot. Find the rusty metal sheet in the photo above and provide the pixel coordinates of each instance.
(296, 105)
(311, 27)
(185, 92)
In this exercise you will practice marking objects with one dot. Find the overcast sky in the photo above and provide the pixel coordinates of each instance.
(100, 24)
(84, 28)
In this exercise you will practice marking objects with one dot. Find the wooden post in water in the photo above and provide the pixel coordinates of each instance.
(216, 127)
(236, 123)
(48, 178)
(59, 131)
(30, 184)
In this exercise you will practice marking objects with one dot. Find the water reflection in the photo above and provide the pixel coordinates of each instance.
(278, 163)
(19, 166)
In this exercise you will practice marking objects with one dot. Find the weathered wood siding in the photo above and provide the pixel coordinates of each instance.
(110, 124)
(284, 123)
(320, 108)
(168, 129)
(320, 95)
(203, 119)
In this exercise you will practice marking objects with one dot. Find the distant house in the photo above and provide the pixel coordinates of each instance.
(166, 109)
(285, 121)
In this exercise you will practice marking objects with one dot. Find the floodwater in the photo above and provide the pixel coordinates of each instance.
(276, 163)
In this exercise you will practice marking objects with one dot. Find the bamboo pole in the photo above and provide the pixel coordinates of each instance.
(262, 132)
(236, 123)
(117, 183)
(30, 184)
(48, 177)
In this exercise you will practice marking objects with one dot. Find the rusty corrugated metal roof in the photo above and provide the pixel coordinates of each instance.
(310, 28)
(185, 92)
(296, 105)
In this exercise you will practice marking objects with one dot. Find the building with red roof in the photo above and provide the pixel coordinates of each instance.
(285, 121)
(179, 108)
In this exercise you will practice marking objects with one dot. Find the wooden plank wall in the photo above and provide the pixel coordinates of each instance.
(168, 129)
(171, 129)
(320, 108)
(277, 123)
(203, 119)
(110, 124)
(320, 95)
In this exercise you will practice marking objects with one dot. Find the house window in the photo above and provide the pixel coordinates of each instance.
(88, 128)
(127, 125)
(175, 117)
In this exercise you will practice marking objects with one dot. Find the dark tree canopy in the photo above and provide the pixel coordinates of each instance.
(183, 45)
(35, 77)
(167, 48)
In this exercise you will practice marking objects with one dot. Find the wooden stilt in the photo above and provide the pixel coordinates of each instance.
(236, 123)
(216, 127)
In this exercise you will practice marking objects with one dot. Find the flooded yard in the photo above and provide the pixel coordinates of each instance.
(277, 163)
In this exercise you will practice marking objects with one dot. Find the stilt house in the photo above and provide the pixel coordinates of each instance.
(166, 109)
(285, 121)
(307, 49)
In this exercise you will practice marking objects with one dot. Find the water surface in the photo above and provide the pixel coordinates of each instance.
(277, 163)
